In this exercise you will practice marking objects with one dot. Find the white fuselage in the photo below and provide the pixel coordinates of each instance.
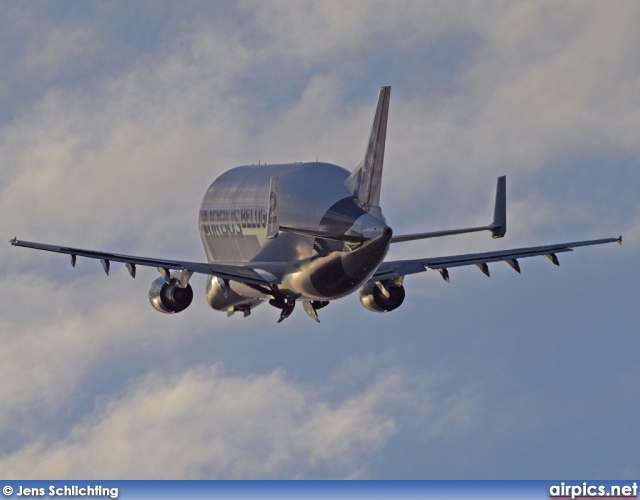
(233, 221)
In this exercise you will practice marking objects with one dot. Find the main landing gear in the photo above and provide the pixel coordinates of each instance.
(286, 305)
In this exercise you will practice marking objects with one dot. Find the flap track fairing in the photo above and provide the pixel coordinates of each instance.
(105, 265)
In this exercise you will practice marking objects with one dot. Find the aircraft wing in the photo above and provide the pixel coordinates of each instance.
(400, 268)
(238, 273)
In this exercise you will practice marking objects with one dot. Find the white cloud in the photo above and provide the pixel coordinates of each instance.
(202, 424)
(50, 345)
(130, 136)
(121, 162)
(56, 48)
(548, 78)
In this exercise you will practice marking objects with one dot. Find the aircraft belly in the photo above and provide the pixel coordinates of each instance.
(303, 284)
(333, 276)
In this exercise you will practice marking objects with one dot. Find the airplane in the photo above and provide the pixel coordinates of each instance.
(306, 232)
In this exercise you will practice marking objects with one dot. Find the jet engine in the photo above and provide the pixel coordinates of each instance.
(170, 298)
(382, 296)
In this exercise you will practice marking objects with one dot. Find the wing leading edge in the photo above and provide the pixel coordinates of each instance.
(400, 268)
(242, 274)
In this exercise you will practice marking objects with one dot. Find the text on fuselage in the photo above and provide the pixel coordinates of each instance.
(223, 223)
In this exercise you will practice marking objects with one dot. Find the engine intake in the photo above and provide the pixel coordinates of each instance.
(374, 299)
(170, 298)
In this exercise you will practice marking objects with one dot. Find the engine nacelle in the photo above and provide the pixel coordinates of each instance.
(170, 298)
(374, 299)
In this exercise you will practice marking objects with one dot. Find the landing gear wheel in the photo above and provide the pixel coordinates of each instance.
(285, 304)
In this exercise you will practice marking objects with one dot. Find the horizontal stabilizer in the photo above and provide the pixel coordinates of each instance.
(498, 227)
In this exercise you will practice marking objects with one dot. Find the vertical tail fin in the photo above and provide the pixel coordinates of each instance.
(368, 174)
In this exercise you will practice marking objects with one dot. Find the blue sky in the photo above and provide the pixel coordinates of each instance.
(117, 116)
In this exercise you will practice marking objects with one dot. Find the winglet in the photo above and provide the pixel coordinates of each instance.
(499, 224)
(273, 227)
(369, 180)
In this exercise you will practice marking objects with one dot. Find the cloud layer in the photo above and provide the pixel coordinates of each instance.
(204, 425)
(115, 119)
